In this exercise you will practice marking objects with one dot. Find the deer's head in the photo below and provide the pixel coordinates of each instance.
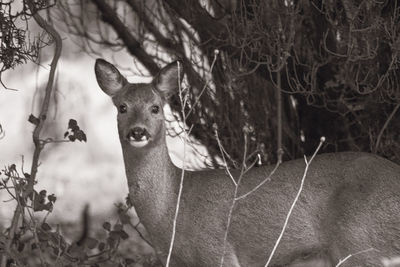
(140, 106)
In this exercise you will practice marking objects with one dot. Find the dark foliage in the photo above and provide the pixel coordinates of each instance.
(331, 65)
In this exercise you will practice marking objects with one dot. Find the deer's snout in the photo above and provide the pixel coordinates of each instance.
(138, 137)
(138, 134)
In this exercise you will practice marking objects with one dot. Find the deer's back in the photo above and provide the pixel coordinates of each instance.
(349, 200)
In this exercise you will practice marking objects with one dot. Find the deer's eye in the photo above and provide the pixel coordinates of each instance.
(122, 108)
(155, 109)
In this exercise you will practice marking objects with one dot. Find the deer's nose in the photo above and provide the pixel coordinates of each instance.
(137, 133)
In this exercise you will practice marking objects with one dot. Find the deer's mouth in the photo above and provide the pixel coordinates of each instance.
(138, 137)
(139, 142)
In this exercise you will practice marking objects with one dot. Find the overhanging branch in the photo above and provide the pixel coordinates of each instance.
(134, 47)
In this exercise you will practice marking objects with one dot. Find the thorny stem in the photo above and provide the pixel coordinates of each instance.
(42, 117)
(308, 163)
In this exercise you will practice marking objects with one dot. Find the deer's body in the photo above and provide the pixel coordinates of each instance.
(350, 201)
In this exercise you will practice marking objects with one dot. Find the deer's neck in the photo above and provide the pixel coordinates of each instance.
(153, 181)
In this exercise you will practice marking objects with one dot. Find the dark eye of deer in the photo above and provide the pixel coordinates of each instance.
(122, 108)
(155, 109)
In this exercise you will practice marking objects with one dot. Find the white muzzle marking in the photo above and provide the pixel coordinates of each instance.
(139, 143)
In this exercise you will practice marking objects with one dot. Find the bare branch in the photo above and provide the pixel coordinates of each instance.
(133, 46)
(40, 120)
(378, 140)
(308, 163)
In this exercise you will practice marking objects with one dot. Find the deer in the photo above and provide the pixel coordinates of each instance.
(349, 206)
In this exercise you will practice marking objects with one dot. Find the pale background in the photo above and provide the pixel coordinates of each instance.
(77, 173)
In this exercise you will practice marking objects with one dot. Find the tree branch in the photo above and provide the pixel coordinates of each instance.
(165, 42)
(134, 47)
(199, 18)
(49, 88)
(39, 122)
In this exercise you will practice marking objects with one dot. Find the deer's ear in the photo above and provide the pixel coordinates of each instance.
(169, 78)
(108, 77)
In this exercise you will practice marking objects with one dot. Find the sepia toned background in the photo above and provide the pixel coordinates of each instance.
(270, 77)
(78, 173)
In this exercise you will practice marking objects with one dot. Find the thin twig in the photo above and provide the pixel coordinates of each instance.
(268, 178)
(227, 227)
(295, 200)
(278, 87)
(136, 228)
(222, 150)
(216, 53)
(182, 174)
(351, 255)
(234, 199)
(378, 140)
